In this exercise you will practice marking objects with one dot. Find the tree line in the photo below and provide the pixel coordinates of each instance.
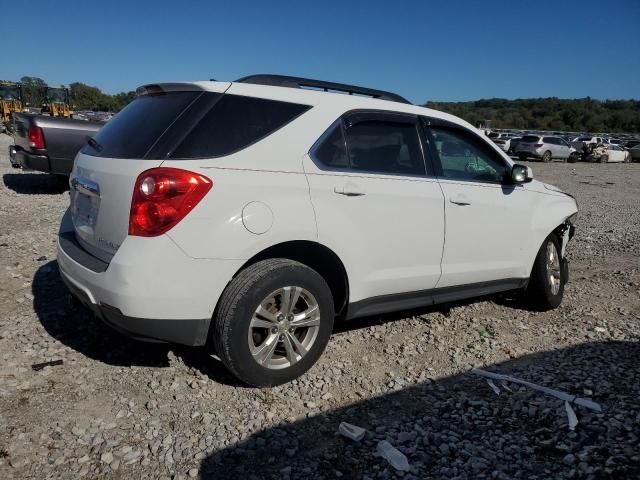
(81, 96)
(576, 115)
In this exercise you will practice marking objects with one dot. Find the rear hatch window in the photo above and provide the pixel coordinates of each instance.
(530, 139)
(185, 125)
(133, 131)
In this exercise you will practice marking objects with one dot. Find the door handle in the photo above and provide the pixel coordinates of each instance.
(460, 200)
(349, 190)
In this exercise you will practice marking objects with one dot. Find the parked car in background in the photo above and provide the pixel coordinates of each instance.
(631, 143)
(250, 215)
(635, 153)
(48, 144)
(545, 148)
(609, 154)
(585, 143)
(513, 144)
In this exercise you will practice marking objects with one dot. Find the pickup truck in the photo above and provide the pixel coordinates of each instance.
(48, 144)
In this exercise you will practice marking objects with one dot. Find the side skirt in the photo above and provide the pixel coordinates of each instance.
(424, 298)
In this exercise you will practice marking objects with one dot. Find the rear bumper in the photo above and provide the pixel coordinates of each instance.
(43, 163)
(29, 161)
(150, 290)
(191, 332)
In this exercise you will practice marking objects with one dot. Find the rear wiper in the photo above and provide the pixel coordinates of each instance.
(95, 145)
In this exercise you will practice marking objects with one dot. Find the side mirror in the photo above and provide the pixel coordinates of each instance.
(521, 174)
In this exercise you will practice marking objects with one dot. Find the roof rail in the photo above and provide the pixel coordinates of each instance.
(298, 82)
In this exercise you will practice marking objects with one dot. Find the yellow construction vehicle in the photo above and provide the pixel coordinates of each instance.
(10, 101)
(56, 102)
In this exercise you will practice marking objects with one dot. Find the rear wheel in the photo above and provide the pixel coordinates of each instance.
(548, 276)
(546, 157)
(273, 322)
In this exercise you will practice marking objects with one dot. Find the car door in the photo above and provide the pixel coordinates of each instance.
(561, 148)
(487, 217)
(376, 206)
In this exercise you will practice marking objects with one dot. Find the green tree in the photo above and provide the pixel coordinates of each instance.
(33, 90)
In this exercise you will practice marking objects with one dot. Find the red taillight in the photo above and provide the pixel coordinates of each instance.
(538, 145)
(36, 137)
(162, 197)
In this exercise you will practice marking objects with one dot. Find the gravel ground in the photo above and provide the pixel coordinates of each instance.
(116, 408)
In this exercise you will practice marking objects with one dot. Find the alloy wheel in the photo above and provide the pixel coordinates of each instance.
(553, 268)
(284, 327)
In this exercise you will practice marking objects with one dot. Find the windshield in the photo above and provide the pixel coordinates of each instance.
(8, 92)
(56, 95)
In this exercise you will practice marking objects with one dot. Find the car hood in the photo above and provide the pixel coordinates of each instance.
(542, 187)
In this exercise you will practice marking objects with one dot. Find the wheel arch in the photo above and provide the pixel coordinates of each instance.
(316, 256)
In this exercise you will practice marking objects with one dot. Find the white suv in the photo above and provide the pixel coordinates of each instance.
(249, 215)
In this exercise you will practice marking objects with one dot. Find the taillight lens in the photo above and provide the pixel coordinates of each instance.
(538, 145)
(162, 197)
(36, 138)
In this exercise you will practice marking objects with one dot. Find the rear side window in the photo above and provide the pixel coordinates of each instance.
(234, 123)
(331, 151)
(385, 147)
(132, 132)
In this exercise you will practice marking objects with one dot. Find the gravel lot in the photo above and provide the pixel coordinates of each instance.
(116, 408)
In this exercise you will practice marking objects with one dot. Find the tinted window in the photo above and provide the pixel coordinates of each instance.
(463, 156)
(136, 128)
(530, 139)
(550, 140)
(330, 151)
(385, 147)
(234, 123)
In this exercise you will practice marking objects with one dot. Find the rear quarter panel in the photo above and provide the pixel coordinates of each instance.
(216, 229)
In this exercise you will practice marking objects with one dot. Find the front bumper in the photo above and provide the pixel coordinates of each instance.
(150, 290)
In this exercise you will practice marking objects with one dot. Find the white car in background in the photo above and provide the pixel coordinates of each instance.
(611, 154)
(251, 215)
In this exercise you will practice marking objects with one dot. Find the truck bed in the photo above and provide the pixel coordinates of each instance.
(63, 138)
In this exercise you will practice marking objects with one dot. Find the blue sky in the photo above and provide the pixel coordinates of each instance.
(424, 50)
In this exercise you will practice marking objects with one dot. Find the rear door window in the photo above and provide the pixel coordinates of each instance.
(133, 131)
(380, 146)
(234, 123)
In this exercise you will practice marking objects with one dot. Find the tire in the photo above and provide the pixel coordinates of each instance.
(541, 292)
(604, 159)
(240, 343)
(522, 157)
(573, 158)
(546, 156)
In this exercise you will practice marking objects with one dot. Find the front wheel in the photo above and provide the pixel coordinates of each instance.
(273, 322)
(548, 276)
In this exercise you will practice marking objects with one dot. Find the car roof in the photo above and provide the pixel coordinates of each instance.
(340, 102)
